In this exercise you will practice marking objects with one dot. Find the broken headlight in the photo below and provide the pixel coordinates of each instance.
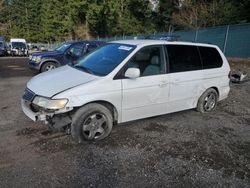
(51, 104)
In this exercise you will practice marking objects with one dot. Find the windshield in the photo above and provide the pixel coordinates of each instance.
(18, 45)
(63, 47)
(105, 59)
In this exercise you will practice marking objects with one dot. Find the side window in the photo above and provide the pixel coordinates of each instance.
(149, 60)
(210, 58)
(183, 58)
(77, 50)
(90, 48)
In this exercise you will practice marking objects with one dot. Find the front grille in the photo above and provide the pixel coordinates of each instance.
(28, 95)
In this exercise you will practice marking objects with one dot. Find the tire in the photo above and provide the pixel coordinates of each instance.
(208, 101)
(48, 66)
(91, 122)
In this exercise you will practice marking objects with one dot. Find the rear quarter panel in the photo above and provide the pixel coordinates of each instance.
(218, 77)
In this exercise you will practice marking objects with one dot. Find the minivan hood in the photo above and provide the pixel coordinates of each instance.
(55, 81)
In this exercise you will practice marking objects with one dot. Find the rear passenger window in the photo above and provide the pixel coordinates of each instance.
(210, 58)
(183, 58)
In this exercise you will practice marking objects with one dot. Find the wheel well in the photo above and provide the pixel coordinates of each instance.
(110, 107)
(216, 89)
(47, 61)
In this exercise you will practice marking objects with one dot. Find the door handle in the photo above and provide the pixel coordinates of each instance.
(175, 81)
(163, 84)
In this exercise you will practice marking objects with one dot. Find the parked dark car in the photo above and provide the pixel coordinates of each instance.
(3, 47)
(67, 53)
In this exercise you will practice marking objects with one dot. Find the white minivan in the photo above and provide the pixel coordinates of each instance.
(128, 80)
(18, 47)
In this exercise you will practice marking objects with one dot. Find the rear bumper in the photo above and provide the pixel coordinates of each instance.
(16, 52)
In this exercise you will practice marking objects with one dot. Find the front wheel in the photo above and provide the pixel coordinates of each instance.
(48, 66)
(208, 101)
(91, 122)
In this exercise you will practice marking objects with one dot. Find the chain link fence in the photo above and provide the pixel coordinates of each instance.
(47, 46)
(233, 40)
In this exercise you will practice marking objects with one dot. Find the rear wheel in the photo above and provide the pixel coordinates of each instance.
(91, 122)
(48, 66)
(208, 101)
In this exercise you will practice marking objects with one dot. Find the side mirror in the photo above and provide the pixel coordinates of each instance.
(132, 73)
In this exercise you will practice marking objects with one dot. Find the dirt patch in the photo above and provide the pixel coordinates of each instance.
(156, 127)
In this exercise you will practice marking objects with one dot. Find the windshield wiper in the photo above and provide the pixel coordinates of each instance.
(85, 69)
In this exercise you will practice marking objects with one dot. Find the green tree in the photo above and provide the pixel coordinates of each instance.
(204, 13)
(243, 10)
(101, 18)
(121, 17)
(53, 16)
(59, 20)
(162, 17)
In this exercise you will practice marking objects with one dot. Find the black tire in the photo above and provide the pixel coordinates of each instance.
(48, 66)
(204, 105)
(83, 125)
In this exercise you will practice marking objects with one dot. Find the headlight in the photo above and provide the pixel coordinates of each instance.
(51, 104)
(37, 59)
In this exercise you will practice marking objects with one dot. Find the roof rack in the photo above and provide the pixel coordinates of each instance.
(163, 37)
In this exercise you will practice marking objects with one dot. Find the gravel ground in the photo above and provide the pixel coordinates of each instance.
(184, 149)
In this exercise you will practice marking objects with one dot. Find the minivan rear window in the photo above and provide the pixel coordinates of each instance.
(210, 57)
(183, 58)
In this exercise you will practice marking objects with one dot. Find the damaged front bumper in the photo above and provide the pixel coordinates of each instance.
(35, 116)
(55, 120)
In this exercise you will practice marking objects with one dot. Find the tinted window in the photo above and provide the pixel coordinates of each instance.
(104, 60)
(149, 60)
(90, 48)
(63, 47)
(1, 45)
(210, 57)
(18, 45)
(183, 58)
(77, 50)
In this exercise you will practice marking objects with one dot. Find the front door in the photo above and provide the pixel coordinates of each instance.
(147, 95)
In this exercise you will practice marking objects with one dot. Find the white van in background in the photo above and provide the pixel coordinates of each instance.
(128, 80)
(18, 47)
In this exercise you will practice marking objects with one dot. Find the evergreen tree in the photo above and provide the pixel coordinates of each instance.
(60, 20)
